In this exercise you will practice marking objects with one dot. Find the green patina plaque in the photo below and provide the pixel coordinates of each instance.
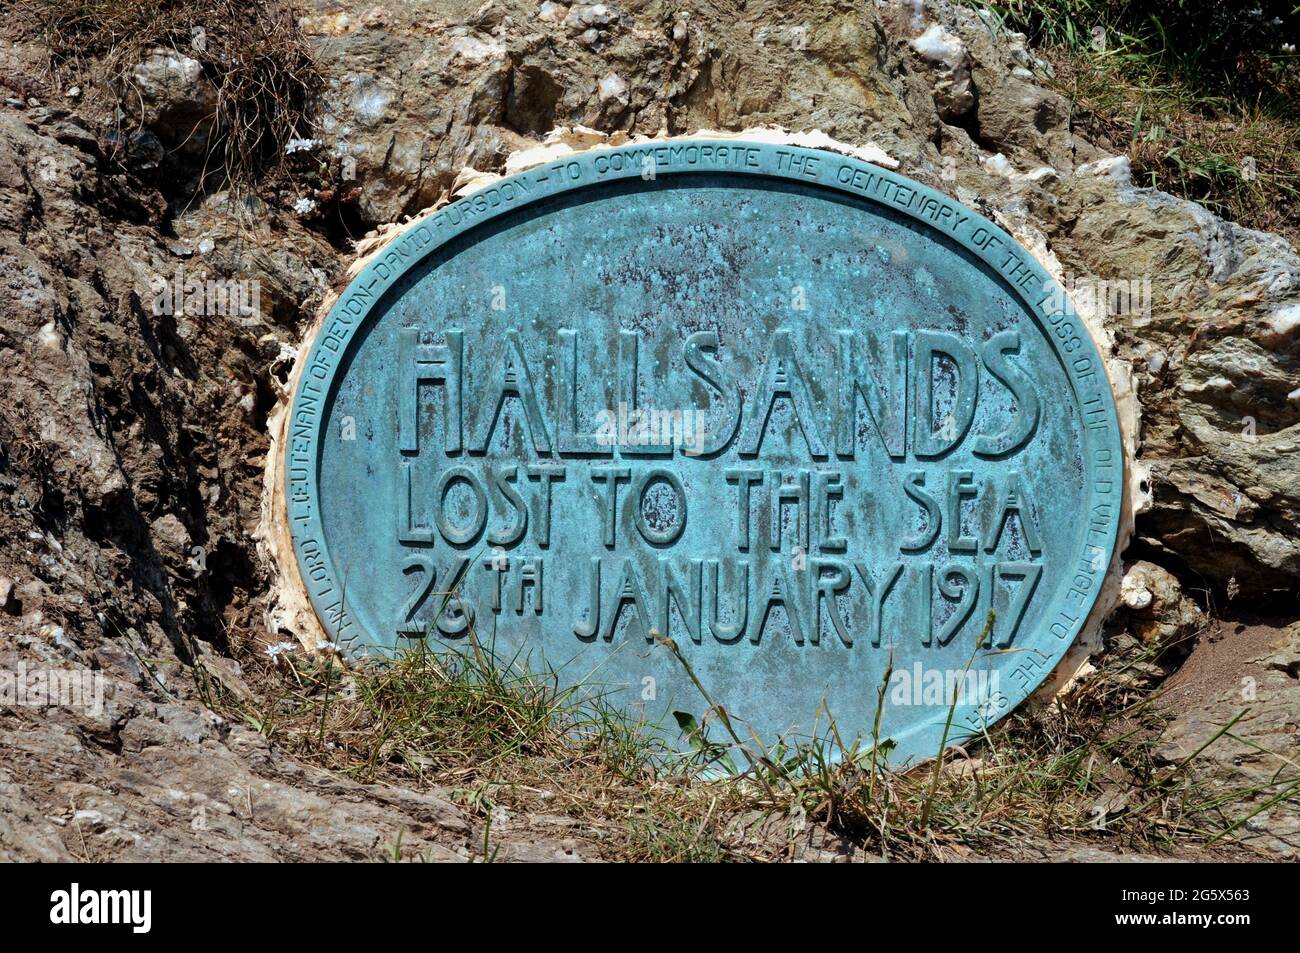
(811, 420)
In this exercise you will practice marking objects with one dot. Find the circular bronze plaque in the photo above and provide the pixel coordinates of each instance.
(810, 420)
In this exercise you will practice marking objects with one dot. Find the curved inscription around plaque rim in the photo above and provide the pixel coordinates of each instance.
(1103, 464)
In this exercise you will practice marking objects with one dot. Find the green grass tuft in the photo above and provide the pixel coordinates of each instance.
(494, 735)
(1203, 97)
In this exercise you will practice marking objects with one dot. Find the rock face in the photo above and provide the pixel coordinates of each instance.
(132, 432)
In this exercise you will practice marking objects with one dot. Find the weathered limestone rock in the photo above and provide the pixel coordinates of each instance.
(169, 95)
(946, 55)
(1159, 612)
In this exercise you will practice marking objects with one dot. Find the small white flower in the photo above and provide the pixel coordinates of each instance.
(300, 145)
(304, 206)
(280, 647)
